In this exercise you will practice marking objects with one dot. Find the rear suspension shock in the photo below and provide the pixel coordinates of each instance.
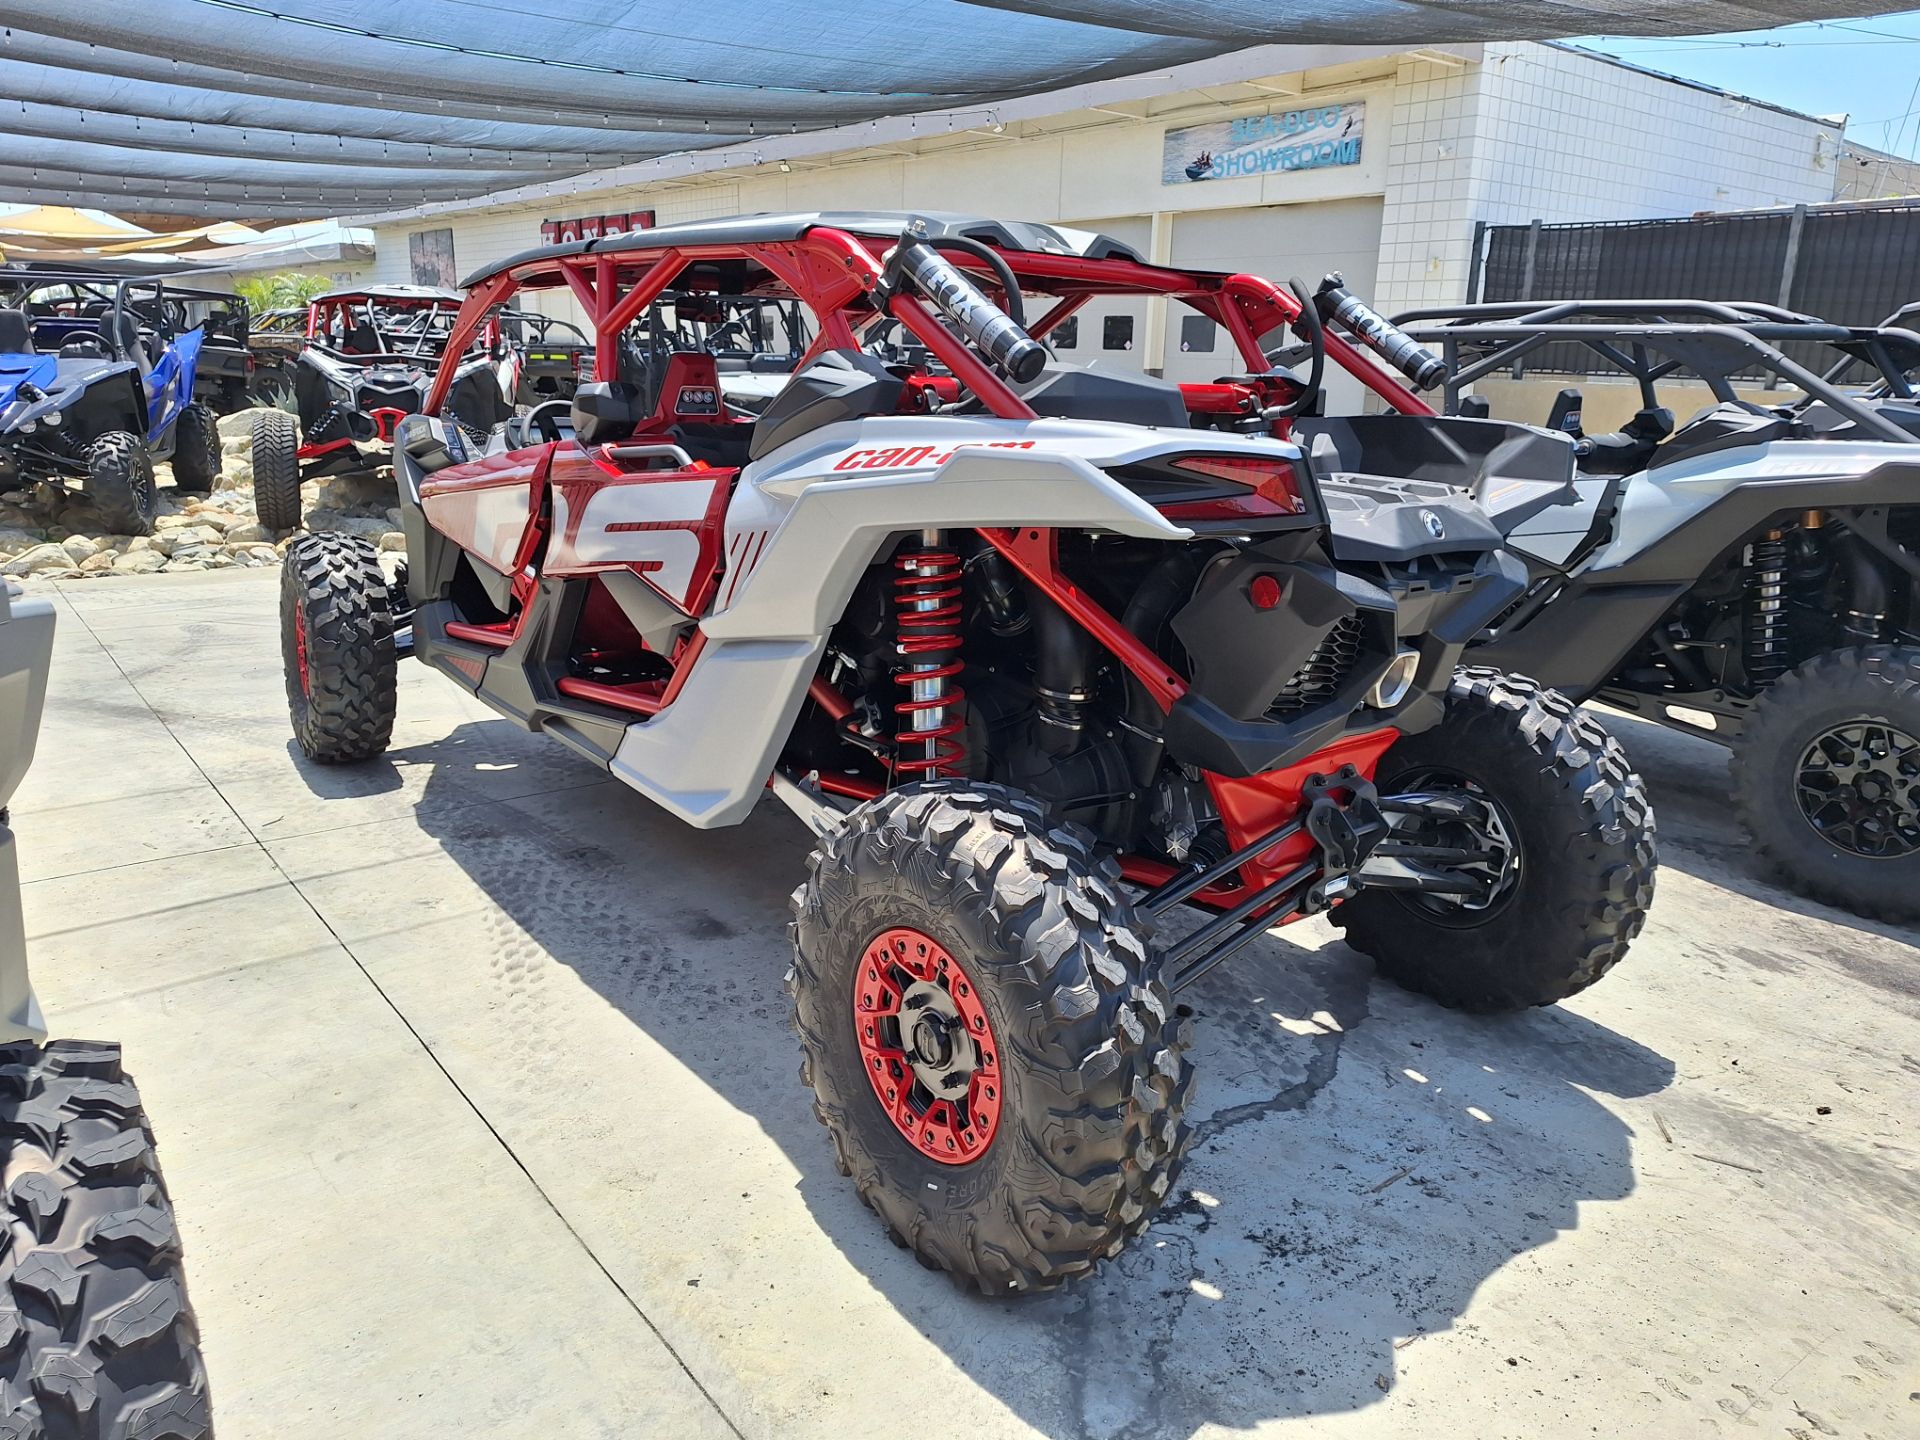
(928, 610)
(1767, 608)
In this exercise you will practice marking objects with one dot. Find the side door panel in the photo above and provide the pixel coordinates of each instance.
(486, 505)
(664, 525)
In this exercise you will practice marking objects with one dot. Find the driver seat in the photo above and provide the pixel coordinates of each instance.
(16, 333)
(124, 339)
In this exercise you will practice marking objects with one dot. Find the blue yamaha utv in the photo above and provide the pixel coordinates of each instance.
(96, 384)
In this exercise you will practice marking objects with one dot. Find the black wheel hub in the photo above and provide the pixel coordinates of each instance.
(1484, 828)
(1858, 786)
(933, 1034)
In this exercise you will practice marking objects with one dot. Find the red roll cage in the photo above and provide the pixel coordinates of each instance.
(836, 274)
(340, 311)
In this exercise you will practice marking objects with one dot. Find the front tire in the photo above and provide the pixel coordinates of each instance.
(336, 642)
(120, 483)
(196, 449)
(276, 469)
(97, 1338)
(1827, 779)
(1577, 873)
(1037, 977)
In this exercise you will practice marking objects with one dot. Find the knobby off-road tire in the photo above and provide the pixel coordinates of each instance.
(97, 1340)
(1583, 828)
(120, 483)
(1876, 684)
(276, 469)
(196, 449)
(336, 642)
(1094, 1079)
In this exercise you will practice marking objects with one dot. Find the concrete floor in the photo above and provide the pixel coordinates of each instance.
(474, 1087)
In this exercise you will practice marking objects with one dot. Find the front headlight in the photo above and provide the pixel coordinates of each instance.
(52, 417)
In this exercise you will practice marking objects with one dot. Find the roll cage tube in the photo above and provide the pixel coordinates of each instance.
(828, 269)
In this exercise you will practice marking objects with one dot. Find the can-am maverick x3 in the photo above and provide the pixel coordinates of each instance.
(1750, 575)
(1042, 668)
(368, 360)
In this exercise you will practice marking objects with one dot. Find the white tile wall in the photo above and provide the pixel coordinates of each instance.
(1542, 132)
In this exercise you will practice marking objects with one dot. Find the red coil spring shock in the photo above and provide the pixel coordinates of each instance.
(926, 597)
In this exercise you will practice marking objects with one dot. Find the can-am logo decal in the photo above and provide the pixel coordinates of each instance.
(912, 457)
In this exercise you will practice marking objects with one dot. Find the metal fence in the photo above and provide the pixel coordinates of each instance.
(1850, 264)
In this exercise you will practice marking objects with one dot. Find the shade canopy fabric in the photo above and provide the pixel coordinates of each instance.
(311, 107)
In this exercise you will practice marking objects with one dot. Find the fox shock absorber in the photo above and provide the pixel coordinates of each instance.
(1767, 614)
(927, 615)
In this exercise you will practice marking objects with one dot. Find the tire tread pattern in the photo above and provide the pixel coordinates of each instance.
(1102, 1039)
(1893, 671)
(1593, 899)
(196, 449)
(276, 470)
(346, 712)
(97, 1337)
(120, 483)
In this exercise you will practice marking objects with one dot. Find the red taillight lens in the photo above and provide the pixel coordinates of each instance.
(1273, 480)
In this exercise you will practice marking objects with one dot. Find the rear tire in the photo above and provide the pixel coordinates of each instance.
(336, 641)
(1089, 1130)
(1877, 685)
(1582, 833)
(97, 1338)
(276, 469)
(196, 449)
(120, 483)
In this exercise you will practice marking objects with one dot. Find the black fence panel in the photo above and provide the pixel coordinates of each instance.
(1851, 264)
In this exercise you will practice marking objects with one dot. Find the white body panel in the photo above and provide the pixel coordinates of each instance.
(1655, 504)
(810, 518)
(653, 525)
(487, 521)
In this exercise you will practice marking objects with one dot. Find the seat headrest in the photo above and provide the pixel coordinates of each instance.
(606, 411)
(16, 333)
(123, 335)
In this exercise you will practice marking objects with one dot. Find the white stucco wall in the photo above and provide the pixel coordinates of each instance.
(1530, 131)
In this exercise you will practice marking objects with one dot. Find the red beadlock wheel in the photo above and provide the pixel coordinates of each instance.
(928, 1047)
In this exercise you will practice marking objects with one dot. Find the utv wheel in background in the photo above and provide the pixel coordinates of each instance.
(1572, 840)
(1827, 779)
(987, 1036)
(120, 483)
(336, 641)
(97, 1339)
(276, 469)
(196, 449)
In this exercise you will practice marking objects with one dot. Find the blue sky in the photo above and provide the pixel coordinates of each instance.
(1868, 69)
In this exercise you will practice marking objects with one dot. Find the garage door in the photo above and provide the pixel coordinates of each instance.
(1277, 242)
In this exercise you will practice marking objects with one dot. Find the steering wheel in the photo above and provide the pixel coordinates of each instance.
(545, 418)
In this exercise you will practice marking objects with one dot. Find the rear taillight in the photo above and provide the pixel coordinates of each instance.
(1273, 481)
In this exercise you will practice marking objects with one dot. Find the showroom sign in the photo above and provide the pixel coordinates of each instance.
(594, 227)
(1314, 138)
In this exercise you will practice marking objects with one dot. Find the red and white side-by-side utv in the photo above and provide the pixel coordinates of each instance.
(1083, 680)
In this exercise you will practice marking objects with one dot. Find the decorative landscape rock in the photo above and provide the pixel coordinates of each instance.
(49, 534)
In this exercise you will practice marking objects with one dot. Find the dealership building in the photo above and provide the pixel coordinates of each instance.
(1282, 160)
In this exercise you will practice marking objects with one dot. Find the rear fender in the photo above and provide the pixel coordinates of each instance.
(706, 758)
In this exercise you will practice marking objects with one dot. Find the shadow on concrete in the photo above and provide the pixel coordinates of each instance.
(1363, 1162)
